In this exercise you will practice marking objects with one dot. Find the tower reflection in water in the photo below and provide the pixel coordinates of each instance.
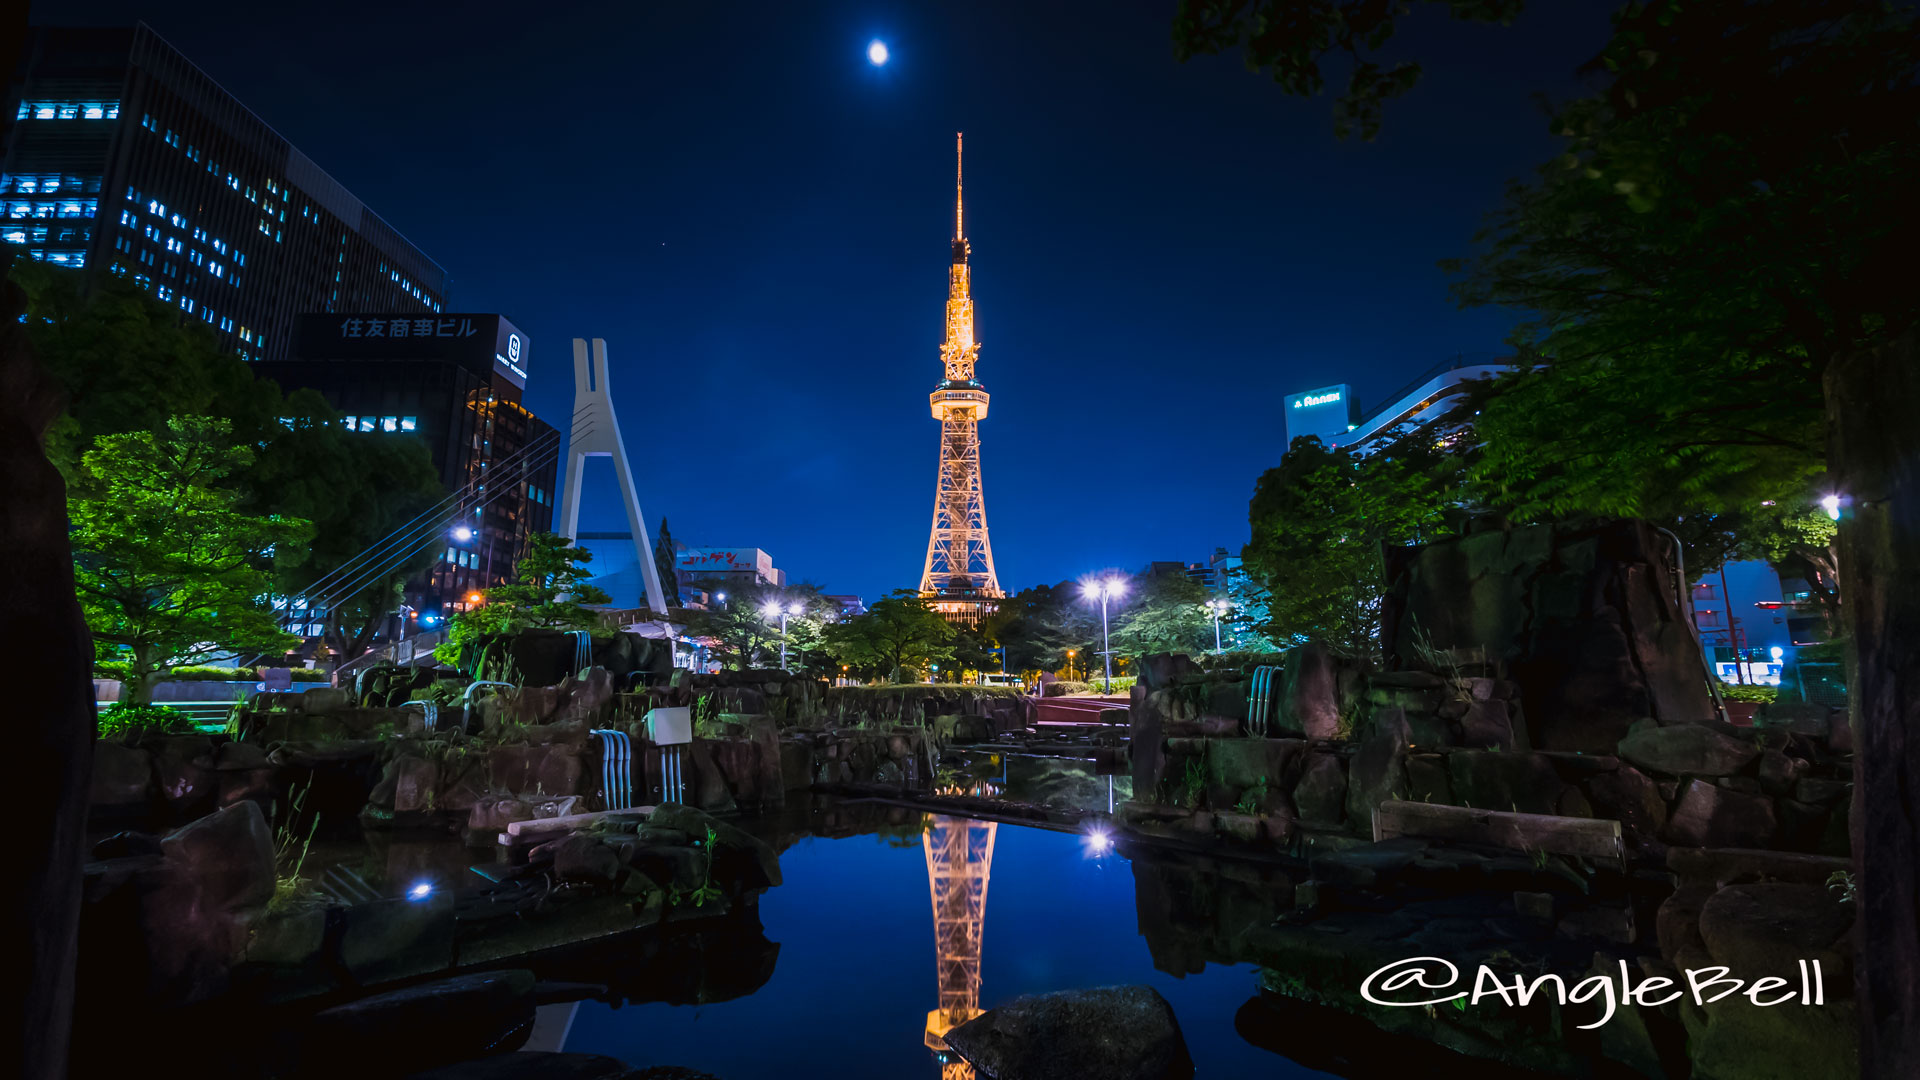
(959, 861)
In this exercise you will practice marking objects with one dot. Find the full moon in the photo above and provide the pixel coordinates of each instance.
(877, 53)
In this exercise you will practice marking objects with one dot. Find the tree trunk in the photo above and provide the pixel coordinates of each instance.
(1873, 450)
(44, 637)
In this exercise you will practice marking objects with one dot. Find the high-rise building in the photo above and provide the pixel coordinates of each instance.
(958, 579)
(124, 157)
(454, 381)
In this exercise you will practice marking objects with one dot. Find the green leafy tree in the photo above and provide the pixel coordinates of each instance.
(549, 591)
(1164, 613)
(169, 569)
(1293, 41)
(743, 634)
(1039, 624)
(1319, 521)
(898, 633)
(356, 489)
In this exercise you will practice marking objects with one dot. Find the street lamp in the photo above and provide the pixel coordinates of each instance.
(462, 533)
(1070, 654)
(1218, 606)
(1105, 589)
(774, 609)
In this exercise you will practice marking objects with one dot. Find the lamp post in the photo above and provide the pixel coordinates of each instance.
(1218, 607)
(1070, 665)
(783, 611)
(1106, 589)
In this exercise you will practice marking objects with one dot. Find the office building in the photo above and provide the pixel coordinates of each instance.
(701, 572)
(124, 157)
(454, 381)
(1326, 413)
(1423, 408)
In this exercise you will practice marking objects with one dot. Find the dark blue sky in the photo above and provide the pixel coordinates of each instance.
(755, 219)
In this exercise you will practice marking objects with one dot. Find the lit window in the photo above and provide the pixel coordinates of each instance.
(409, 423)
(389, 423)
(43, 112)
(366, 423)
(354, 425)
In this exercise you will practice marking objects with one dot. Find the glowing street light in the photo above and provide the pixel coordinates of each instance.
(776, 610)
(1070, 655)
(1831, 504)
(877, 53)
(1106, 589)
(462, 533)
(1218, 606)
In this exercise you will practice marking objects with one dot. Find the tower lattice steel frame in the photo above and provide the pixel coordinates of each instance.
(959, 578)
(959, 863)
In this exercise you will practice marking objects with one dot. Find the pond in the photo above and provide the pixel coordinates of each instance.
(857, 972)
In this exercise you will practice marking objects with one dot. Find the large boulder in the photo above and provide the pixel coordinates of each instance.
(1320, 798)
(1378, 771)
(1319, 691)
(228, 855)
(1586, 618)
(1111, 1033)
(1686, 750)
(554, 769)
(739, 851)
(1630, 797)
(1712, 816)
(216, 875)
(122, 775)
(1515, 781)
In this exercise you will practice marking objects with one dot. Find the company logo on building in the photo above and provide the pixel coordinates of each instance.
(1317, 399)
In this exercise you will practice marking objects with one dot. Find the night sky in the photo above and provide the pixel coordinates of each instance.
(755, 218)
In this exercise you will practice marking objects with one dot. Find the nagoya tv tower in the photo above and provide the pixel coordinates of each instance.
(958, 579)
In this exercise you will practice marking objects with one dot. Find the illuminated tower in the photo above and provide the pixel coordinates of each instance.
(958, 579)
(959, 862)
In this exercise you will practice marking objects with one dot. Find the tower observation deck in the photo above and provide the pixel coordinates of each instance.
(958, 580)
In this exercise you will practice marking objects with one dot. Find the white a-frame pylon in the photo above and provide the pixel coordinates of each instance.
(597, 434)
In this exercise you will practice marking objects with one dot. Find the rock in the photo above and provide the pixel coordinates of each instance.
(1840, 732)
(1613, 924)
(493, 813)
(1514, 781)
(1159, 670)
(1378, 771)
(1630, 797)
(1717, 869)
(1765, 928)
(1427, 779)
(1487, 725)
(536, 770)
(1824, 792)
(1369, 865)
(122, 775)
(1677, 925)
(237, 756)
(1711, 816)
(546, 1065)
(1779, 773)
(707, 787)
(422, 1026)
(1686, 750)
(181, 769)
(229, 854)
(1534, 905)
(127, 844)
(415, 780)
(732, 840)
(1112, 1033)
(1321, 796)
(1316, 695)
(583, 858)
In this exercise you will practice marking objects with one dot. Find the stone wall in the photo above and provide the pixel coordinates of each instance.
(1586, 620)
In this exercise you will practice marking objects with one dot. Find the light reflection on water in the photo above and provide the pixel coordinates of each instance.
(856, 985)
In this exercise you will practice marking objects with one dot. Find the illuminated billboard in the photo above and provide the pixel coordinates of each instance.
(481, 343)
(1325, 412)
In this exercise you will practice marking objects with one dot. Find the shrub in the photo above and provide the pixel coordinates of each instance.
(133, 722)
(1764, 695)
(1063, 687)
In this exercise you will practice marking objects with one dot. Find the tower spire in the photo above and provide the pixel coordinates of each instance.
(959, 209)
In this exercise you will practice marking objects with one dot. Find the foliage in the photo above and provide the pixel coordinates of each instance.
(130, 722)
(739, 631)
(1164, 613)
(1067, 688)
(169, 569)
(356, 489)
(898, 632)
(1038, 625)
(1764, 695)
(1319, 521)
(1253, 798)
(1291, 39)
(117, 669)
(549, 591)
(663, 564)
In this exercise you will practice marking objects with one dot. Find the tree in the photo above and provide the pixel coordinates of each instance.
(1737, 203)
(170, 571)
(1319, 521)
(356, 490)
(1037, 625)
(1291, 39)
(898, 633)
(1164, 613)
(663, 563)
(742, 633)
(549, 591)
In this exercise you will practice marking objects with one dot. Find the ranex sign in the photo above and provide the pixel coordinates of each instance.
(1312, 399)
(1324, 413)
(479, 342)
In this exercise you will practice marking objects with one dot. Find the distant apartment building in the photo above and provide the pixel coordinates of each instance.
(125, 158)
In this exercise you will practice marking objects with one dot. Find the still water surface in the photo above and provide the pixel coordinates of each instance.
(856, 975)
